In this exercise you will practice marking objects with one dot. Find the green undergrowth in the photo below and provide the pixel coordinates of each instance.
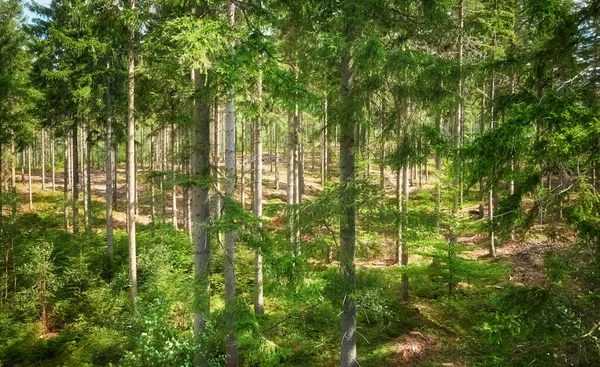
(69, 304)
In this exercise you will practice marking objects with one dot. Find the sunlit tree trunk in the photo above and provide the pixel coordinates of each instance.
(348, 357)
(75, 179)
(231, 349)
(53, 154)
(43, 151)
(259, 307)
(109, 184)
(173, 176)
(276, 138)
(66, 183)
(243, 165)
(29, 178)
(131, 169)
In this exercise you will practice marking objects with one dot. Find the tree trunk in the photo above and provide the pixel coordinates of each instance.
(75, 180)
(53, 153)
(43, 138)
(13, 166)
(173, 176)
(259, 307)
(492, 249)
(115, 181)
(85, 163)
(109, 184)
(230, 282)
(201, 208)
(243, 167)
(323, 144)
(404, 257)
(29, 178)
(399, 208)
(276, 138)
(131, 169)
(348, 219)
(66, 183)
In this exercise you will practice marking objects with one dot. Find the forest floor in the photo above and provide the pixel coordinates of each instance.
(430, 339)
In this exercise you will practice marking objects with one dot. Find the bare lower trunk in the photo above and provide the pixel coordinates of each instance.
(131, 172)
(276, 137)
(259, 307)
(66, 184)
(404, 257)
(29, 178)
(173, 176)
(53, 153)
(230, 282)
(243, 167)
(348, 356)
(43, 151)
(109, 184)
(75, 186)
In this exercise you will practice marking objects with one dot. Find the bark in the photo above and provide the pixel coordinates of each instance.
(75, 180)
(29, 178)
(200, 203)
(348, 357)
(243, 167)
(85, 151)
(13, 167)
(404, 257)
(66, 184)
(259, 307)
(324, 144)
(230, 282)
(53, 154)
(109, 184)
(22, 166)
(276, 138)
(131, 169)
(115, 168)
(399, 208)
(43, 151)
(460, 116)
(152, 159)
(173, 175)
(492, 248)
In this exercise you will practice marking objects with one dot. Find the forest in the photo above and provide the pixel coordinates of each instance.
(306, 183)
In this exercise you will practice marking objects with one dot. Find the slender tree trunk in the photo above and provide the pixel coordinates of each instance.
(53, 153)
(109, 184)
(399, 208)
(43, 138)
(230, 282)
(200, 204)
(460, 113)
(66, 183)
(492, 249)
(85, 165)
(348, 219)
(152, 160)
(323, 144)
(13, 166)
(75, 180)
(88, 182)
(243, 166)
(115, 181)
(276, 138)
(22, 166)
(29, 178)
(259, 307)
(481, 131)
(131, 169)
(173, 176)
(404, 257)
